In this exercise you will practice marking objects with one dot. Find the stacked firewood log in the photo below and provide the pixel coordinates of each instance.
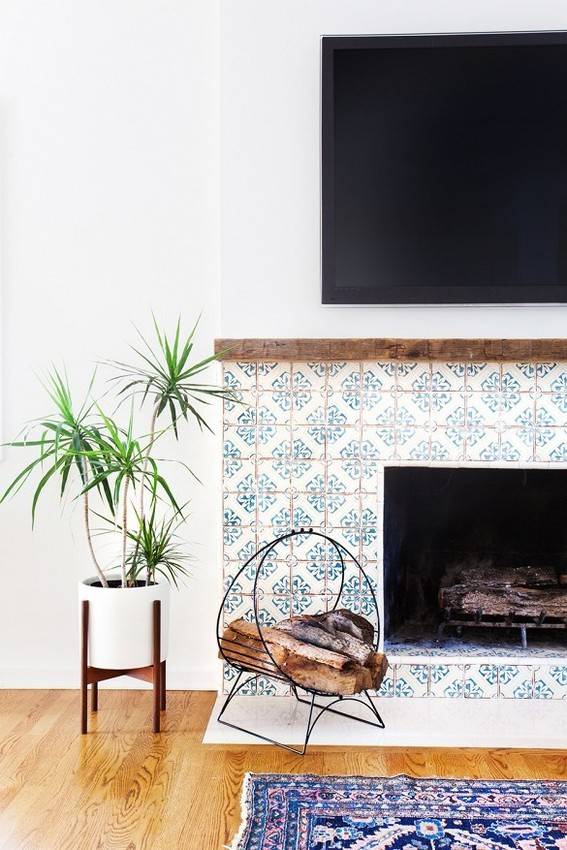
(330, 653)
(531, 592)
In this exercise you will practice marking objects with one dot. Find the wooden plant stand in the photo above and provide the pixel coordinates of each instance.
(154, 673)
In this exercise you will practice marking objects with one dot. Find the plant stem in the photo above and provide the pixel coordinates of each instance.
(124, 531)
(152, 436)
(101, 575)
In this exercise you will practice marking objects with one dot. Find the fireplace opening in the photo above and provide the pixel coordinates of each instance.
(475, 558)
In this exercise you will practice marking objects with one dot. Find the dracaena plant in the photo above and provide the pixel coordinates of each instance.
(165, 377)
(93, 455)
(154, 547)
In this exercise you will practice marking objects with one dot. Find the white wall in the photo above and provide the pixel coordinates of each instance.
(270, 166)
(109, 207)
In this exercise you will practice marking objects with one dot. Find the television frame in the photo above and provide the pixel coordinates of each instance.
(411, 295)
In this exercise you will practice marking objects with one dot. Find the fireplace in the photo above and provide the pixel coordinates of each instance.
(475, 558)
(463, 435)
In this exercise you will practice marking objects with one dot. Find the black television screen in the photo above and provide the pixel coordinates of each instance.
(444, 169)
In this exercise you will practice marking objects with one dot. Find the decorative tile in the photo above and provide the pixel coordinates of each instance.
(443, 404)
(412, 445)
(358, 603)
(335, 417)
(305, 402)
(536, 428)
(308, 511)
(297, 465)
(304, 379)
(233, 410)
(273, 508)
(411, 680)
(553, 448)
(518, 376)
(379, 377)
(412, 409)
(515, 409)
(380, 409)
(481, 681)
(276, 407)
(447, 444)
(550, 375)
(302, 473)
(233, 459)
(276, 471)
(269, 687)
(275, 442)
(359, 458)
(239, 509)
(371, 580)
(342, 442)
(488, 405)
(557, 401)
(317, 575)
(344, 376)
(345, 407)
(274, 376)
(378, 443)
(515, 681)
(413, 377)
(240, 607)
(483, 377)
(483, 445)
(551, 409)
(447, 680)
(239, 376)
(309, 408)
(448, 377)
(550, 682)
(514, 448)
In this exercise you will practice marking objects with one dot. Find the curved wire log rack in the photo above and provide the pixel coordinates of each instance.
(249, 670)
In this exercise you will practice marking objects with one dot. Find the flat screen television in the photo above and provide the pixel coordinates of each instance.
(444, 169)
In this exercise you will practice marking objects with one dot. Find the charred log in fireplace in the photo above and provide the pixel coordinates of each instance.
(497, 597)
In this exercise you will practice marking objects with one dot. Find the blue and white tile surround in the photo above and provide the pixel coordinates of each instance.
(307, 446)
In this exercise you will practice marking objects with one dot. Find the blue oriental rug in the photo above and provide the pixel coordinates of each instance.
(285, 812)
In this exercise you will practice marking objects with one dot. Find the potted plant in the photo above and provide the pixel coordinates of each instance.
(96, 458)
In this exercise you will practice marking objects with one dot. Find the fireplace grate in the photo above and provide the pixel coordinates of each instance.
(461, 620)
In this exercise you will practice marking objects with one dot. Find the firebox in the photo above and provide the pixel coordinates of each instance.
(475, 557)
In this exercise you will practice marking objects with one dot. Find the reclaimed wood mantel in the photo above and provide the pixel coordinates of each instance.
(463, 350)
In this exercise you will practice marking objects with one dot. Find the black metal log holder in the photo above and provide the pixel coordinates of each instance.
(248, 672)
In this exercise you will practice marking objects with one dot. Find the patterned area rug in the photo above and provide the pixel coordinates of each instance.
(285, 812)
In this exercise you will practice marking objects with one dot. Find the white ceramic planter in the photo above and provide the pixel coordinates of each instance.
(121, 624)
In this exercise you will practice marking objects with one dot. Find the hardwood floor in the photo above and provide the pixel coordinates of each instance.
(123, 788)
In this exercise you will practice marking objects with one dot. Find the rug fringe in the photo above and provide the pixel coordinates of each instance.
(245, 811)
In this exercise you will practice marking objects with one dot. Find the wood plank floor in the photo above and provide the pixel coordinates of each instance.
(123, 788)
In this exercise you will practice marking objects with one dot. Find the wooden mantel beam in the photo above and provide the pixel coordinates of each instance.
(451, 350)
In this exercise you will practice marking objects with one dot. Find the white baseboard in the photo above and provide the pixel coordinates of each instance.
(197, 679)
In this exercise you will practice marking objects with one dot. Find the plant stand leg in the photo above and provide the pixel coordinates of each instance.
(163, 685)
(154, 672)
(84, 664)
(157, 665)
